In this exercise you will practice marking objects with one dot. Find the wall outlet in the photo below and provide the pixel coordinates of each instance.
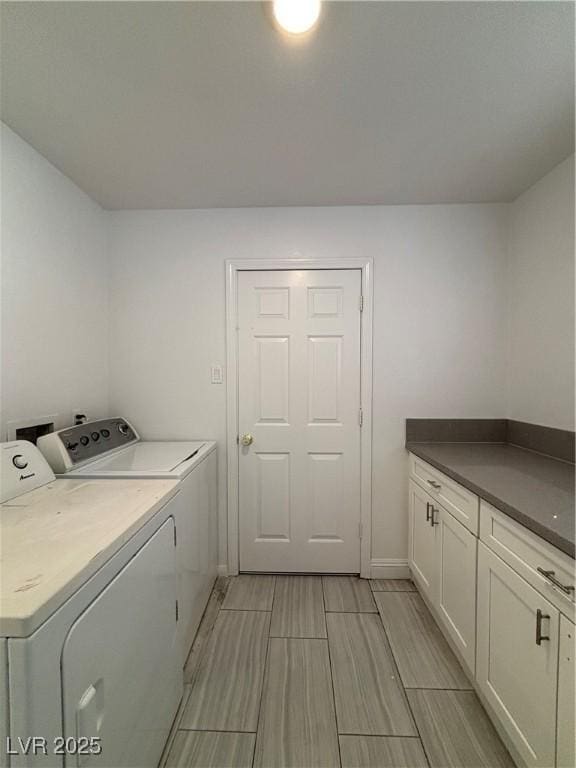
(79, 416)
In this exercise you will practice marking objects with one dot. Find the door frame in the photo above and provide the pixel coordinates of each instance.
(233, 267)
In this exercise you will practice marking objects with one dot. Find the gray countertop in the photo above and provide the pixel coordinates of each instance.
(535, 490)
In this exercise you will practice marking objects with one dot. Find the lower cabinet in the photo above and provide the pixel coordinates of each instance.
(422, 540)
(456, 592)
(517, 658)
(506, 601)
(566, 738)
(442, 554)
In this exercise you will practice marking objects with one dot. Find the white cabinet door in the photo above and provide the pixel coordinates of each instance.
(517, 658)
(422, 540)
(456, 594)
(299, 408)
(565, 752)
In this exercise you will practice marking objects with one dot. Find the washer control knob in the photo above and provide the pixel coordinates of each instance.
(84, 439)
(105, 433)
(95, 436)
(123, 429)
(19, 461)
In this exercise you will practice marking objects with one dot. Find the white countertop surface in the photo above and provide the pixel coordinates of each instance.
(53, 539)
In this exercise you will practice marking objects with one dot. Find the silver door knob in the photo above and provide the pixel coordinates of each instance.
(247, 439)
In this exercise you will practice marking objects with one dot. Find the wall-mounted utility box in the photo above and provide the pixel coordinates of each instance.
(31, 429)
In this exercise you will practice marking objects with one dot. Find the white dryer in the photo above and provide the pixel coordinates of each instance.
(111, 448)
(88, 644)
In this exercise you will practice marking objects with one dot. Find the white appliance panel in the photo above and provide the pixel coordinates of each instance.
(22, 469)
(34, 661)
(197, 546)
(193, 463)
(121, 673)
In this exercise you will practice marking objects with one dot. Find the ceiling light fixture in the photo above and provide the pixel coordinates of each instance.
(296, 16)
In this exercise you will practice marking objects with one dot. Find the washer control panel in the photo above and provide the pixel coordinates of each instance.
(72, 446)
(22, 469)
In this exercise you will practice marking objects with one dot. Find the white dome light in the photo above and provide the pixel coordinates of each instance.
(296, 16)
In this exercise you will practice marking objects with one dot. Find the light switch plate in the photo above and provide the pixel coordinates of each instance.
(216, 374)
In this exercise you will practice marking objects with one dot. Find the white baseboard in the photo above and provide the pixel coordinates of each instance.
(389, 568)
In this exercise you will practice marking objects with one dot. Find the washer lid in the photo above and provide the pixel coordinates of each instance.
(144, 458)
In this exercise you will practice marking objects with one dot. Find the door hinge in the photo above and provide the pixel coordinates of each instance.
(360, 416)
(361, 303)
(177, 612)
(360, 530)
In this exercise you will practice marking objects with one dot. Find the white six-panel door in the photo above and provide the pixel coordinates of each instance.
(299, 402)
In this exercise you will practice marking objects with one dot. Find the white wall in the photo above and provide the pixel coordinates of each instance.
(54, 291)
(541, 302)
(439, 340)
(450, 281)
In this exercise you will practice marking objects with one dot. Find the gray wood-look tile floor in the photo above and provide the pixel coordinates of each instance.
(315, 672)
(298, 609)
(423, 655)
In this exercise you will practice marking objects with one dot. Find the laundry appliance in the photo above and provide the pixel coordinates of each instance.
(111, 448)
(89, 668)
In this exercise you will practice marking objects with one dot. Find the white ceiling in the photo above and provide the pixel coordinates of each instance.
(204, 104)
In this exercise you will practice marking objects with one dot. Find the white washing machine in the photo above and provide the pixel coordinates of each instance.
(111, 448)
(90, 673)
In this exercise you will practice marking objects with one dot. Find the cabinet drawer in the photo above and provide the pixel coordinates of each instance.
(526, 552)
(456, 499)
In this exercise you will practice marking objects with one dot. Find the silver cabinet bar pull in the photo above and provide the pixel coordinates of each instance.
(433, 520)
(551, 576)
(539, 635)
(428, 513)
(435, 485)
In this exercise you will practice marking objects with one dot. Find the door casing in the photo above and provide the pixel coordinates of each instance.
(233, 267)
